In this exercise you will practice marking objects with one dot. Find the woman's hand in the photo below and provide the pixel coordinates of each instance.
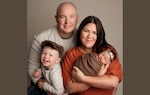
(77, 74)
(103, 69)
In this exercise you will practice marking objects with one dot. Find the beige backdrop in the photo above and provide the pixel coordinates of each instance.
(40, 16)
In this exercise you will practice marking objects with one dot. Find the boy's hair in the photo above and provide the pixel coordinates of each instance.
(53, 45)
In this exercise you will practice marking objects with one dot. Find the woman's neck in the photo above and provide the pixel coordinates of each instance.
(85, 50)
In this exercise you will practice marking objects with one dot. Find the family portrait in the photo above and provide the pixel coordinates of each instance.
(75, 47)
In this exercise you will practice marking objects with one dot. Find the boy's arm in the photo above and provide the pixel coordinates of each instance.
(56, 86)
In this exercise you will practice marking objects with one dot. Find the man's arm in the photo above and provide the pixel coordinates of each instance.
(34, 59)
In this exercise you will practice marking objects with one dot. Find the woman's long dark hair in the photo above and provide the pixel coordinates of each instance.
(101, 42)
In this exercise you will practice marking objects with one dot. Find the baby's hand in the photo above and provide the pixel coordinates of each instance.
(36, 74)
(103, 69)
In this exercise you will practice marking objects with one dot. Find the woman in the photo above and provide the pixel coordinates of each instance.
(91, 38)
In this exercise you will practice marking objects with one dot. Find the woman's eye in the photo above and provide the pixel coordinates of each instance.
(85, 30)
(95, 32)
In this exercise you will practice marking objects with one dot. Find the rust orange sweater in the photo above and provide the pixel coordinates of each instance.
(68, 63)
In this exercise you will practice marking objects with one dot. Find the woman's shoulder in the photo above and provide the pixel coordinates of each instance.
(111, 48)
(73, 50)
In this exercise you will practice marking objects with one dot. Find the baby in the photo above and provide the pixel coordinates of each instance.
(91, 63)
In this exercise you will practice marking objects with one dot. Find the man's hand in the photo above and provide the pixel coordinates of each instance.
(36, 74)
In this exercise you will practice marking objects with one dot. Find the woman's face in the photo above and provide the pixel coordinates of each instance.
(88, 35)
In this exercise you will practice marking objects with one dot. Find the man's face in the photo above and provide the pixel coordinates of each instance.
(67, 19)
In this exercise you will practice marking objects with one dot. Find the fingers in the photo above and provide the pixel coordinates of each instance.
(75, 68)
(102, 67)
(107, 65)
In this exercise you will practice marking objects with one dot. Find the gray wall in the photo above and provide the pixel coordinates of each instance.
(40, 16)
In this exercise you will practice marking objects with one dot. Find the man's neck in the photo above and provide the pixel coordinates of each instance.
(65, 35)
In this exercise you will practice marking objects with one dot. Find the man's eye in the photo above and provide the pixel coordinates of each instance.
(61, 17)
(72, 16)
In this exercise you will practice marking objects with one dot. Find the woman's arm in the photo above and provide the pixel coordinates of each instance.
(108, 81)
(101, 81)
(74, 87)
(104, 81)
(67, 65)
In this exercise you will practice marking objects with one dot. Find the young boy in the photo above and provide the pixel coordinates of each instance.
(50, 68)
(91, 63)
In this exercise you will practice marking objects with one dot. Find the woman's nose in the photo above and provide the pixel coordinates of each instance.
(89, 34)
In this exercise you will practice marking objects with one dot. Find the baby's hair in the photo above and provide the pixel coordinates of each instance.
(112, 54)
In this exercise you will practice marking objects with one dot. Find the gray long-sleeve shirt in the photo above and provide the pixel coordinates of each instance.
(54, 80)
(35, 49)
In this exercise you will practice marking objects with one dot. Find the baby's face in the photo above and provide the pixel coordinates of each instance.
(104, 57)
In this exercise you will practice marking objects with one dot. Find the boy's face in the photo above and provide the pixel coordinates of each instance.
(104, 57)
(49, 57)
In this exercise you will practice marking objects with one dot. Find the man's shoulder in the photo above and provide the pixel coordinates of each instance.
(46, 33)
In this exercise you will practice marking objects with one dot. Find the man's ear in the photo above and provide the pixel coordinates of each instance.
(56, 18)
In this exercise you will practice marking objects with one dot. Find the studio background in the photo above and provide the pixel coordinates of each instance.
(41, 16)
